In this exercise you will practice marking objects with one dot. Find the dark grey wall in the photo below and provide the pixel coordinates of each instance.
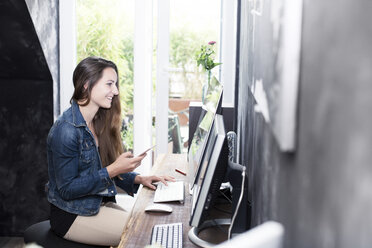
(26, 112)
(322, 192)
(45, 17)
(25, 118)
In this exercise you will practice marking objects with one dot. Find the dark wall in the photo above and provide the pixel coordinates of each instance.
(45, 17)
(26, 113)
(321, 192)
(25, 117)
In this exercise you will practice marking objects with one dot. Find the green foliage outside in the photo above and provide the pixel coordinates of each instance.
(102, 32)
(183, 44)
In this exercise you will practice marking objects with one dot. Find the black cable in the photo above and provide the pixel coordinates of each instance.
(225, 196)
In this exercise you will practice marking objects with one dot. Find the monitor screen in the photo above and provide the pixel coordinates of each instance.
(210, 173)
(211, 106)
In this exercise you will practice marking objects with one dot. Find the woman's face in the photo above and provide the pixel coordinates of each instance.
(105, 89)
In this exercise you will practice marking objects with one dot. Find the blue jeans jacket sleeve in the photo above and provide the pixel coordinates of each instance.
(70, 183)
(127, 184)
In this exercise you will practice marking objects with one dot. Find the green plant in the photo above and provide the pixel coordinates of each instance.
(205, 56)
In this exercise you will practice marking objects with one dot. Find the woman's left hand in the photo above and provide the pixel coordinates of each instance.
(148, 180)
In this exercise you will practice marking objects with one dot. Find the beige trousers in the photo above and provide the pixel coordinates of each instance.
(104, 228)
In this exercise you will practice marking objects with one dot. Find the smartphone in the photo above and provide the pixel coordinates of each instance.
(146, 150)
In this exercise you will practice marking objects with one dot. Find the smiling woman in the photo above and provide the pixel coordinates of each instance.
(90, 79)
(86, 160)
(110, 36)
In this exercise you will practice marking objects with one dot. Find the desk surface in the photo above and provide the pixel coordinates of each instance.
(138, 231)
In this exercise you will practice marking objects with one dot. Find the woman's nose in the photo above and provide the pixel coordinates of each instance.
(115, 90)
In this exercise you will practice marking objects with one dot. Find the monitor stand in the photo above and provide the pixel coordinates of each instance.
(194, 231)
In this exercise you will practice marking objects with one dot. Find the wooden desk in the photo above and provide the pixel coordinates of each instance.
(138, 231)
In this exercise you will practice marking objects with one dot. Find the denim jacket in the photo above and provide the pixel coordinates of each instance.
(77, 181)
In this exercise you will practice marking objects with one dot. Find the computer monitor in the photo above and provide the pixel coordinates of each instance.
(211, 106)
(211, 172)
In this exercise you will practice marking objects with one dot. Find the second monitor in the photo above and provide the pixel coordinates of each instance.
(211, 106)
(211, 172)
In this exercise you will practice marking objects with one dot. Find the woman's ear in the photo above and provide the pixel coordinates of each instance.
(86, 86)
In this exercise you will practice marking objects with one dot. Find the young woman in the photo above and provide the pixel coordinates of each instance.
(86, 160)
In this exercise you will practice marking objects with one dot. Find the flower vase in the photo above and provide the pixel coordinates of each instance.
(206, 85)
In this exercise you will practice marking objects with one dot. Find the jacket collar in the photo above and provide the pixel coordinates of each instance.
(77, 117)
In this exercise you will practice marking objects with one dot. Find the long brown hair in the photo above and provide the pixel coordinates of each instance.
(106, 122)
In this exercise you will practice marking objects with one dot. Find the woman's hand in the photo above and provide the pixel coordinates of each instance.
(124, 163)
(148, 180)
